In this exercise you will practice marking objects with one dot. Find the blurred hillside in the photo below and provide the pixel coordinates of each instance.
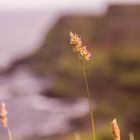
(113, 72)
(113, 38)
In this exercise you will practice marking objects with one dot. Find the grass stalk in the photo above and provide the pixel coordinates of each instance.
(89, 98)
(9, 133)
(131, 136)
(77, 136)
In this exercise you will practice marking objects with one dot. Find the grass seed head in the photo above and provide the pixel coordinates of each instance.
(3, 114)
(115, 130)
(78, 47)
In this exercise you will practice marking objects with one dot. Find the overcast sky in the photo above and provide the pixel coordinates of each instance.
(58, 4)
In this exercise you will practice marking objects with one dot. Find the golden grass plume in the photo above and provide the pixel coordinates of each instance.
(115, 130)
(3, 114)
(78, 47)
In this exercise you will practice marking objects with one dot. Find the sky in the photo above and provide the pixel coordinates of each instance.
(59, 4)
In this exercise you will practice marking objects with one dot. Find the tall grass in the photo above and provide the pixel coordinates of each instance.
(83, 55)
(4, 119)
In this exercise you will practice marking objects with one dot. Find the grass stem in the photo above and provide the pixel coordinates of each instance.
(90, 100)
(131, 136)
(9, 133)
(77, 136)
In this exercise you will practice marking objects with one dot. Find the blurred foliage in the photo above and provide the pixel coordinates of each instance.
(114, 70)
(104, 134)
